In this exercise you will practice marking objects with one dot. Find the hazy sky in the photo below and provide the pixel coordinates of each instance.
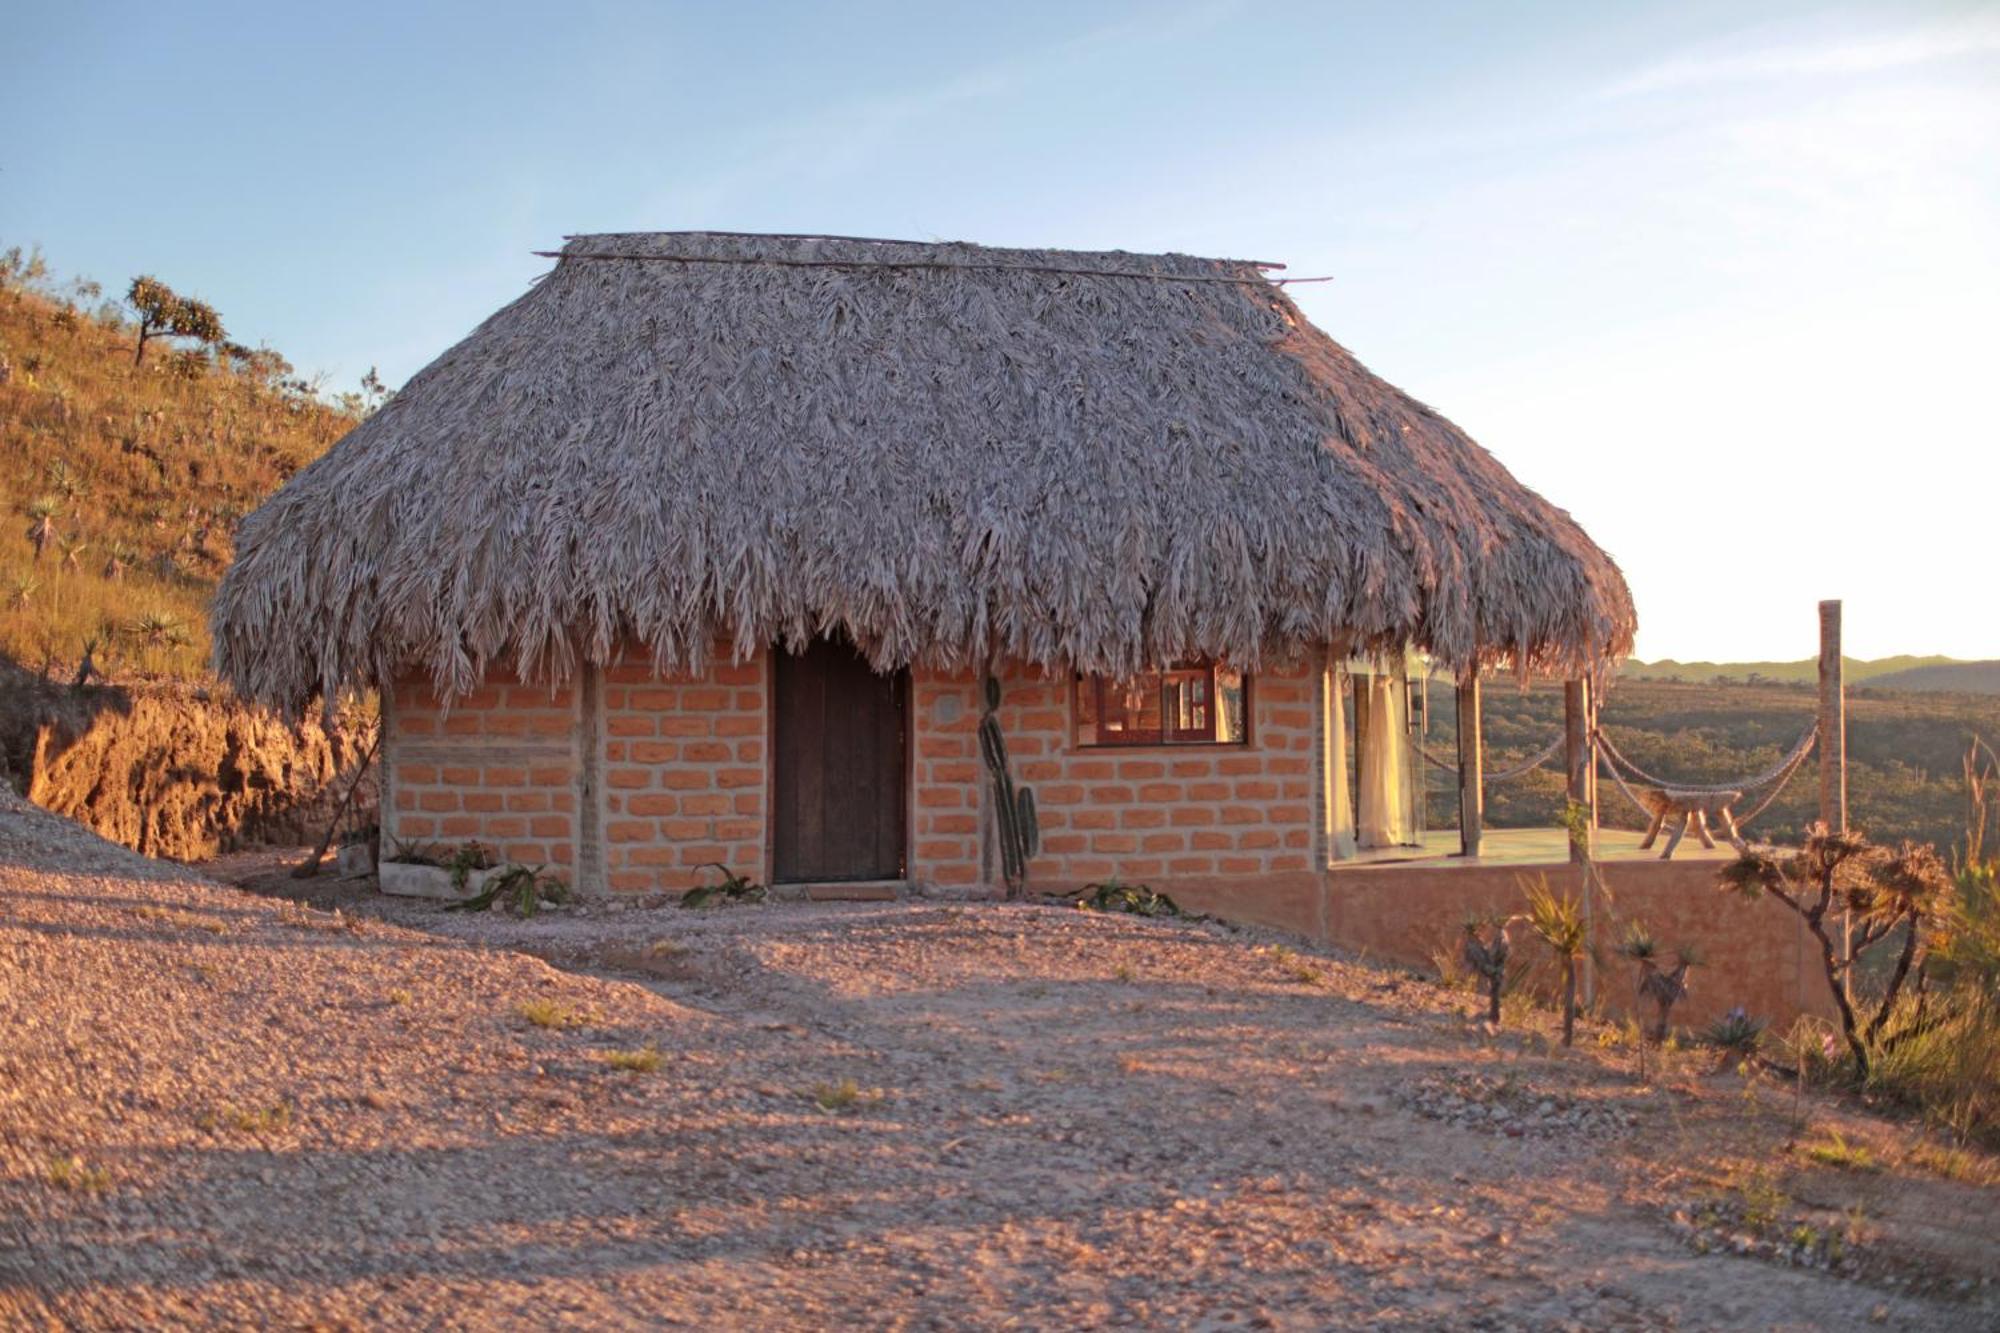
(1721, 279)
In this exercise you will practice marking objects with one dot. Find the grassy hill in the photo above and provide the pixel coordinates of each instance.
(1945, 677)
(124, 482)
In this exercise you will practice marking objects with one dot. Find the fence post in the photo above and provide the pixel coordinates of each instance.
(1471, 768)
(1580, 752)
(1832, 721)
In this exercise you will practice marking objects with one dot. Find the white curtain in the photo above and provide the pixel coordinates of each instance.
(1385, 793)
(1339, 802)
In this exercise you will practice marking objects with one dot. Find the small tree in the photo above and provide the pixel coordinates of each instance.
(164, 313)
(1885, 891)
(1560, 924)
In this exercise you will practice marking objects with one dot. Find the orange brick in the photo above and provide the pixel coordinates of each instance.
(436, 801)
(629, 830)
(1110, 795)
(1061, 844)
(1142, 816)
(1113, 842)
(654, 804)
(527, 802)
(705, 752)
(1106, 818)
(1208, 791)
(1240, 765)
(482, 802)
(1191, 768)
(506, 777)
(1254, 838)
(706, 803)
(416, 774)
(459, 826)
(1134, 770)
(549, 826)
(701, 853)
(680, 724)
(739, 777)
(1242, 814)
(940, 798)
(685, 830)
(628, 779)
(1203, 840)
(740, 830)
(1160, 793)
(1188, 816)
(704, 700)
(551, 775)
(1238, 865)
(506, 826)
(415, 826)
(686, 779)
(1257, 791)
(1191, 865)
(1163, 842)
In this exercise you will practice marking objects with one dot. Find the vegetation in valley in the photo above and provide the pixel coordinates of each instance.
(134, 434)
(1905, 752)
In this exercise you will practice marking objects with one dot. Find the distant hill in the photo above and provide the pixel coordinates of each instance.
(124, 481)
(1857, 670)
(1943, 677)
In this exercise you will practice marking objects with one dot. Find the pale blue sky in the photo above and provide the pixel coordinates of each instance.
(1720, 279)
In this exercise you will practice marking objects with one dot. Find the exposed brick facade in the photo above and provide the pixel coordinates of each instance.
(684, 774)
(500, 767)
(1165, 814)
(625, 782)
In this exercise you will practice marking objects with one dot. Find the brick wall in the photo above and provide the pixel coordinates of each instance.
(684, 774)
(500, 767)
(1192, 820)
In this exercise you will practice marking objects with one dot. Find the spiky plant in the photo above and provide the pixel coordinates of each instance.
(1663, 987)
(22, 593)
(1485, 951)
(1558, 921)
(72, 549)
(42, 512)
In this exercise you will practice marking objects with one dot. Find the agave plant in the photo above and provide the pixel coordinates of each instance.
(1560, 924)
(42, 512)
(72, 549)
(1485, 951)
(1665, 988)
(22, 593)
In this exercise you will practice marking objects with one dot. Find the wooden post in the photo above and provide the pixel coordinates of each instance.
(1580, 751)
(1832, 721)
(1833, 756)
(1471, 770)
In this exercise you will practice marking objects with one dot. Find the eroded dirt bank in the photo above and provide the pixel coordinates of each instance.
(171, 771)
(901, 1116)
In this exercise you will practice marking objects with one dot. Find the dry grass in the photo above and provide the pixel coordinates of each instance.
(149, 465)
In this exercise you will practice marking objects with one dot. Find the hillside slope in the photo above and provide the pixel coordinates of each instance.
(1857, 670)
(1944, 678)
(124, 482)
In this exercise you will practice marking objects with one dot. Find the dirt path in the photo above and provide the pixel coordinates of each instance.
(261, 1113)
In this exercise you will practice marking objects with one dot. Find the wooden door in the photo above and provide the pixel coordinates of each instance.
(839, 733)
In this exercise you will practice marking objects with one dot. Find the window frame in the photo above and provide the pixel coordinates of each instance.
(1092, 736)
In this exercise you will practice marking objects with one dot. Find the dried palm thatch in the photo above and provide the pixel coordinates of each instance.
(1096, 461)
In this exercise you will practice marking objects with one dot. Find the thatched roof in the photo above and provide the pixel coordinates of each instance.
(1095, 461)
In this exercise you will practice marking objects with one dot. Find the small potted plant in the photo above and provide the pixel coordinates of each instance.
(418, 870)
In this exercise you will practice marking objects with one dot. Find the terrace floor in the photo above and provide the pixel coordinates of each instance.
(1528, 847)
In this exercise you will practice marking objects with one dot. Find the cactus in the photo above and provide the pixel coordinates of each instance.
(1013, 807)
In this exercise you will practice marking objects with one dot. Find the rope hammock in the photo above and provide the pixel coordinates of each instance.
(1693, 803)
(1522, 769)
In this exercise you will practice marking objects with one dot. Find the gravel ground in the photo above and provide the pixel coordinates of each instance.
(220, 1108)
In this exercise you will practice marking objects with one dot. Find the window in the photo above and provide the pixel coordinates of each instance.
(1191, 703)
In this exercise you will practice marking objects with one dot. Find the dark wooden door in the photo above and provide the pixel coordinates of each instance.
(839, 730)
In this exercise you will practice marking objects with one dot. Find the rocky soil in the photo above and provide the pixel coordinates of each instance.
(223, 1108)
